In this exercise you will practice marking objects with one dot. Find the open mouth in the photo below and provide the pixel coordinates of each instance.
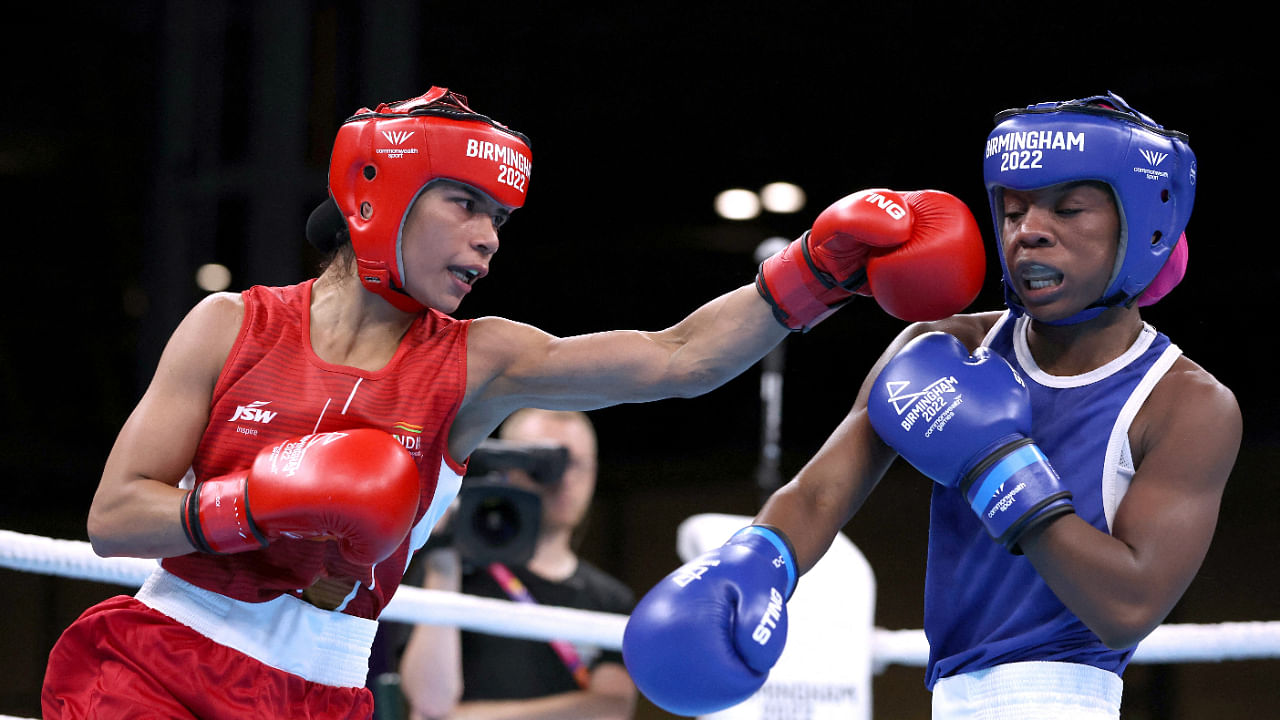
(466, 275)
(1035, 276)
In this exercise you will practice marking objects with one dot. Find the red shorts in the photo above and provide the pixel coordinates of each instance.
(121, 659)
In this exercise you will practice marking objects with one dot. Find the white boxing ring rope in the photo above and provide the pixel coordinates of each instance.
(1169, 643)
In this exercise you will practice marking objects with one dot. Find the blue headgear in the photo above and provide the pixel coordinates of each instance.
(1151, 171)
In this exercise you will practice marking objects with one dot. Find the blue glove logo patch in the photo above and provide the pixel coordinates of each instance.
(693, 571)
(926, 404)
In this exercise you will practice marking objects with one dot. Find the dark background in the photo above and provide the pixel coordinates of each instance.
(141, 140)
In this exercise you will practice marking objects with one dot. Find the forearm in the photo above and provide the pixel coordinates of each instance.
(431, 665)
(138, 518)
(716, 343)
(808, 523)
(1105, 582)
(610, 696)
(511, 365)
(430, 682)
(579, 705)
(813, 507)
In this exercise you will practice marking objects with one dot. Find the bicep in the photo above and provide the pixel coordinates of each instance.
(514, 365)
(158, 441)
(1124, 584)
(717, 341)
(1170, 511)
(159, 438)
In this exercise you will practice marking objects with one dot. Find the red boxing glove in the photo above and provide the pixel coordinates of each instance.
(919, 254)
(359, 487)
(939, 271)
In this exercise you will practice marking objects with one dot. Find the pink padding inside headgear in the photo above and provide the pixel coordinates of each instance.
(1169, 276)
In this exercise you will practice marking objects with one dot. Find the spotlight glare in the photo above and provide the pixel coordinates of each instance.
(213, 277)
(782, 197)
(770, 247)
(737, 204)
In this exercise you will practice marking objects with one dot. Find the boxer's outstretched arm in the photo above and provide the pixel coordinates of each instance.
(511, 365)
(904, 249)
(713, 344)
(821, 499)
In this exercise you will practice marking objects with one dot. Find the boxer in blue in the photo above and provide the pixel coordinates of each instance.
(1078, 457)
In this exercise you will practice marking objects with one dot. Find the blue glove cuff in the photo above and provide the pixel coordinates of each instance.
(1007, 467)
(1015, 492)
(780, 543)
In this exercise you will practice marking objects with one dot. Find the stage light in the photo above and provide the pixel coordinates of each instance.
(213, 277)
(782, 197)
(737, 204)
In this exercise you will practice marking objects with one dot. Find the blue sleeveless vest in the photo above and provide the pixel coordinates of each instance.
(985, 606)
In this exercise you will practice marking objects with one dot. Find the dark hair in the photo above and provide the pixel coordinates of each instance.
(327, 229)
(327, 233)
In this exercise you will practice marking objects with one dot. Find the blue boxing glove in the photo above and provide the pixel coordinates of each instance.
(705, 637)
(964, 420)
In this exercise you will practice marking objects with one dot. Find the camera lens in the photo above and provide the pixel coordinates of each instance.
(496, 522)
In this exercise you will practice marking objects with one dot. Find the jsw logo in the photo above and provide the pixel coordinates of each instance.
(1153, 157)
(397, 137)
(254, 412)
(895, 210)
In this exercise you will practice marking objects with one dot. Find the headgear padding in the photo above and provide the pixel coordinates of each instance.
(383, 159)
(1151, 171)
(1169, 276)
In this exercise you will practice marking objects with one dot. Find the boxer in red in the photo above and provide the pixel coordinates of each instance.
(265, 466)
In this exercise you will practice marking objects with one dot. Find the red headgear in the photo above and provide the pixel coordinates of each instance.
(383, 158)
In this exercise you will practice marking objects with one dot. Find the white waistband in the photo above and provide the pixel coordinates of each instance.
(286, 633)
(1014, 691)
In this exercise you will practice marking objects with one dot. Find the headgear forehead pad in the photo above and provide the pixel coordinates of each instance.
(383, 159)
(1151, 171)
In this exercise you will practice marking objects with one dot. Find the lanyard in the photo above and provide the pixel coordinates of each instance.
(517, 591)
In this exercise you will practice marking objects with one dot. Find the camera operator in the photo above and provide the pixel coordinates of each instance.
(446, 673)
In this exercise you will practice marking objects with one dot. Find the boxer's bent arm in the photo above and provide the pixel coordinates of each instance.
(814, 505)
(1123, 585)
(136, 509)
(831, 487)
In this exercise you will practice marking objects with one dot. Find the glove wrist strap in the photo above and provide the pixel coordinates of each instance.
(800, 294)
(216, 517)
(780, 542)
(1014, 490)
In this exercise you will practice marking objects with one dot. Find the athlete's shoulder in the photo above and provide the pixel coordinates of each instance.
(1190, 384)
(1189, 402)
(216, 315)
(495, 343)
(197, 349)
(970, 329)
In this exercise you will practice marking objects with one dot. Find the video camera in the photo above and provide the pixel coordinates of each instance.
(495, 521)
